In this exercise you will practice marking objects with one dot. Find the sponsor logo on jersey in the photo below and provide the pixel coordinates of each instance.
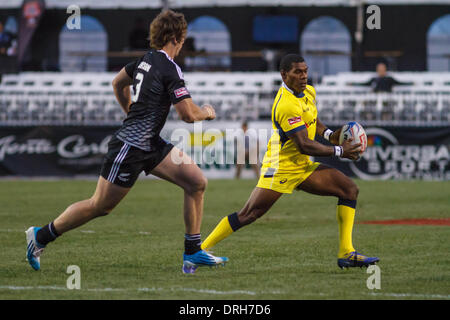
(310, 123)
(294, 120)
(181, 92)
(144, 66)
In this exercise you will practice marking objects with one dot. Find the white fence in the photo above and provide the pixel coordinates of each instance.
(87, 98)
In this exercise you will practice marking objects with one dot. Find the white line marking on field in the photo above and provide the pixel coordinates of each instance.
(141, 290)
(87, 231)
(150, 289)
(411, 295)
(33, 288)
(216, 292)
(106, 289)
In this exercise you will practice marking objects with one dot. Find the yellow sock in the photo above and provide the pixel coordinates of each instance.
(345, 217)
(225, 227)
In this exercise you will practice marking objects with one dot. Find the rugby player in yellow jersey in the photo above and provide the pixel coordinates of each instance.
(287, 166)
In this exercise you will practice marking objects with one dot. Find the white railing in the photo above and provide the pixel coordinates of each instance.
(88, 99)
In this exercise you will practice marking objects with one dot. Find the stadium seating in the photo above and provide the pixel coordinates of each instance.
(88, 99)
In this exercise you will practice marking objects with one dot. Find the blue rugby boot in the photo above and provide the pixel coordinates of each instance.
(201, 258)
(355, 259)
(34, 249)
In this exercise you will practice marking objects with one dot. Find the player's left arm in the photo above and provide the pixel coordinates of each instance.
(328, 134)
(121, 85)
(181, 98)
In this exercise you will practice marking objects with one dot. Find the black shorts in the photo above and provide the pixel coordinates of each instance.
(123, 163)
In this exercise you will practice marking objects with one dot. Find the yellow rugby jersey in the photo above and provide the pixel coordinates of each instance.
(290, 113)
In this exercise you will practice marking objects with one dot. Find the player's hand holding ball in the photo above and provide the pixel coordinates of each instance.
(334, 137)
(353, 140)
(351, 150)
(210, 110)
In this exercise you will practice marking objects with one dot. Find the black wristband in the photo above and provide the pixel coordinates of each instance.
(327, 133)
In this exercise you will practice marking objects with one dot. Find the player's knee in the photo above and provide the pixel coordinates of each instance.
(197, 185)
(351, 192)
(204, 183)
(99, 208)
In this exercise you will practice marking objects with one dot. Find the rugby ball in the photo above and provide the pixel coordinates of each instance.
(354, 130)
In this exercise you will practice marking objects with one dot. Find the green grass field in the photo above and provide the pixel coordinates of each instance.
(290, 253)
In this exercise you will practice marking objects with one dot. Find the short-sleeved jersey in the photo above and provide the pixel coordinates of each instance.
(157, 84)
(290, 113)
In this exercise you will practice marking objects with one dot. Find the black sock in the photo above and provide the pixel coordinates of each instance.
(46, 234)
(192, 243)
(234, 221)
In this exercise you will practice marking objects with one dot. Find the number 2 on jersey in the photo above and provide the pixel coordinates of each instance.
(139, 77)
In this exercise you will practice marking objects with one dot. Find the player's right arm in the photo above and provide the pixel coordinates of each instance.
(189, 112)
(121, 85)
(290, 120)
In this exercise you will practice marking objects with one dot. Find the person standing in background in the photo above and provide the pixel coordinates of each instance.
(382, 82)
(250, 148)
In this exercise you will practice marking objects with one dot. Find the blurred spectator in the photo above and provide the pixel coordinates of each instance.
(10, 28)
(12, 50)
(382, 82)
(5, 40)
(138, 39)
(250, 148)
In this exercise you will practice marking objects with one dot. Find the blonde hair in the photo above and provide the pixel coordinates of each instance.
(168, 25)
